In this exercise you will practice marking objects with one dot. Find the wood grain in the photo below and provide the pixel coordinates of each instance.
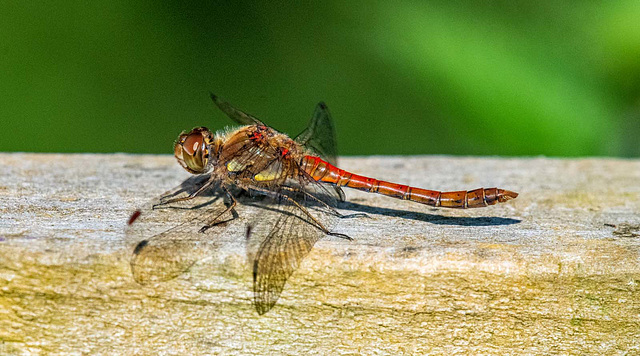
(556, 270)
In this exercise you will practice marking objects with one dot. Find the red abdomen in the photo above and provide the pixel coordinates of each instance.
(323, 171)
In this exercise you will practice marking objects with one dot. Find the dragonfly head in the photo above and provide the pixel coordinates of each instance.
(193, 150)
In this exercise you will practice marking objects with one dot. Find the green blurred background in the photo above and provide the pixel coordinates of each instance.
(558, 78)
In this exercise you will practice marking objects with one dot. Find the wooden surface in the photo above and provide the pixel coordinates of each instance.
(555, 271)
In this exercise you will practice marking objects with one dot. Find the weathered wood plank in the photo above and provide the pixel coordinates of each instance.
(541, 274)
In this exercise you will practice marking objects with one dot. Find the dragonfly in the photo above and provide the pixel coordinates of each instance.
(288, 187)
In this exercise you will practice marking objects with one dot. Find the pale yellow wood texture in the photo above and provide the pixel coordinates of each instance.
(556, 270)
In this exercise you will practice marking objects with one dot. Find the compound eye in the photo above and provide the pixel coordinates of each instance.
(191, 151)
(193, 143)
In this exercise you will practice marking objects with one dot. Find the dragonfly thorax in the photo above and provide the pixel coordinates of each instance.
(257, 153)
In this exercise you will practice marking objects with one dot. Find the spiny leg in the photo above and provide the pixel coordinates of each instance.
(333, 210)
(318, 223)
(189, 197)
(231, 207)
(306, 212)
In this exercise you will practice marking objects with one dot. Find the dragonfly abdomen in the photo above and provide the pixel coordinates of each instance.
(323, 171)
(462, 199)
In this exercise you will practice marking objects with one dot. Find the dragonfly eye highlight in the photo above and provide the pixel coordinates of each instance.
(191, 150)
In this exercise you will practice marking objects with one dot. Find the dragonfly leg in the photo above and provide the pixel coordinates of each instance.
(230, 208)
(342, 236)
(188, 197)
(318, 223)
(333, 210)
(340, 192)
(306, 212)
(355, 215)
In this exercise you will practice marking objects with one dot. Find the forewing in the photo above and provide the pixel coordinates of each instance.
(165, 241)
(284, 234)
(319, 136)
(236, 115)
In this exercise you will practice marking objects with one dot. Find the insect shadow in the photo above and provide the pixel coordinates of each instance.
(193, 183)
(430, 218)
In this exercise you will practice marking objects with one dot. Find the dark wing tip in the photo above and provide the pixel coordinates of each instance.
(140, 246)
(322, 105)
(247, 236)
(136, 214)
(263, 308)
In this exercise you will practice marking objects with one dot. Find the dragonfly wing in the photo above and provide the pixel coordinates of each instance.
(319, 136)
(236, 115)
(161, 254)
(284, 234)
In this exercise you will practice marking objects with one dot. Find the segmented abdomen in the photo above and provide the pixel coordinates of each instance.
(323, 171)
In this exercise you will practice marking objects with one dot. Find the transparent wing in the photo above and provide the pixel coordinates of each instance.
(160, 253)
(319, 136)
(291, 222)
(236, 115)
